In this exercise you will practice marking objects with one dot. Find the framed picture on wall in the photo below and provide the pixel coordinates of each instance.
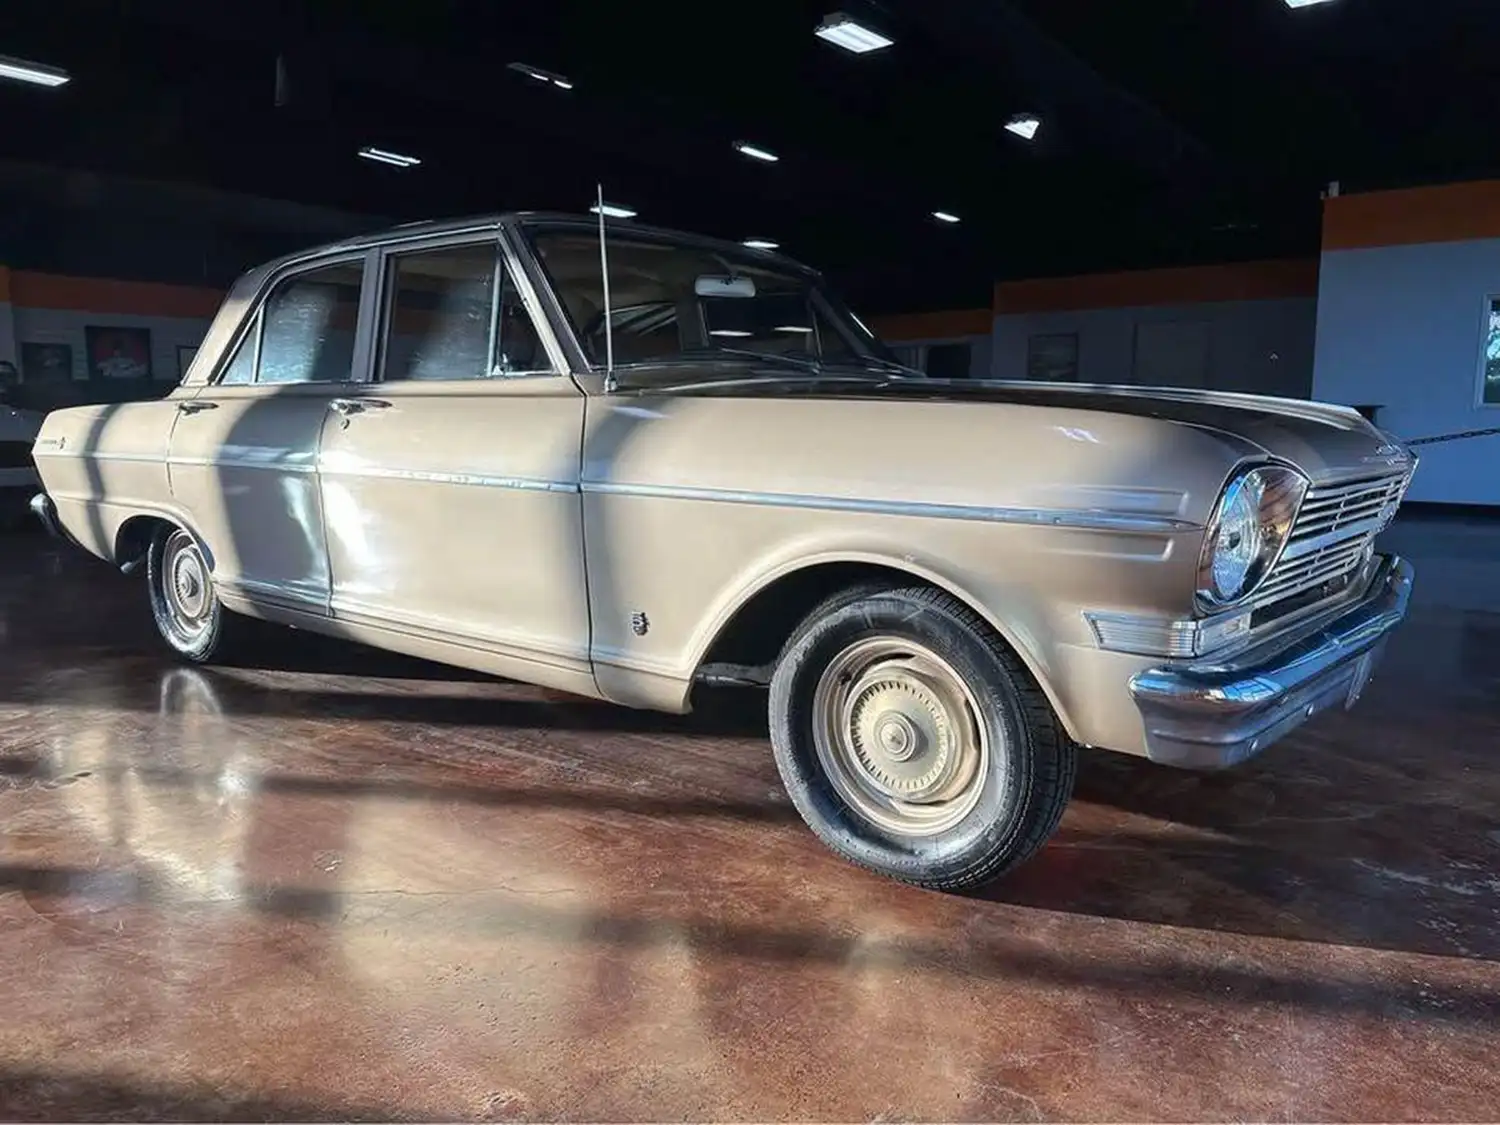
(185, 354)
(46, 363)
(118, 353)
(1489, 368)
(1053, 357)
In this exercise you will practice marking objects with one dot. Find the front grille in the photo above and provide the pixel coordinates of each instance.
(1330, 539)
(15, 454)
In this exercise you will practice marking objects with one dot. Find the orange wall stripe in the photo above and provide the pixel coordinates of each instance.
(4, 285)
(106, 296)
(1445, 213)
(933, 325)
(1186, 285)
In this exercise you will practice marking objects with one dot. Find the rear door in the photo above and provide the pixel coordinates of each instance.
(243, 455)
(449, 482)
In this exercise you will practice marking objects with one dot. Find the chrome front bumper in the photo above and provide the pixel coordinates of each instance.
(1210, 715)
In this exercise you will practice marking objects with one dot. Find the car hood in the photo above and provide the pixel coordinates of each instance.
(1323, 440)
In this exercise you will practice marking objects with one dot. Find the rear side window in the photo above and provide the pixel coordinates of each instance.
(241, 369)
(308, 326)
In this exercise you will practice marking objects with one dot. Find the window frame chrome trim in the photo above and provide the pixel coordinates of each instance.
(254, 320)
(505, 266)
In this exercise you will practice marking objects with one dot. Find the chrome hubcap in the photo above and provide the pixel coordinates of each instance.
(185, 582)
(898, 734)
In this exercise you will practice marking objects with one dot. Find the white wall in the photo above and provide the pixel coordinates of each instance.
(1263, 346)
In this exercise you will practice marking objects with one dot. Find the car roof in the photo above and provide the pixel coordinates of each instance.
(428, 228)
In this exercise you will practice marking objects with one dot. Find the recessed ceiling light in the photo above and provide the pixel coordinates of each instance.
(791, 328)
(1304, 3)
(1024, 125)
(38, 74)
(844, 31)
(755, 152)
(386, 156)
(613, 211)
(733, 333)
(945, 216)
(537, 74)
(760, 244)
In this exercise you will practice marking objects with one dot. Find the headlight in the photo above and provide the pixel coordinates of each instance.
(1249, 528)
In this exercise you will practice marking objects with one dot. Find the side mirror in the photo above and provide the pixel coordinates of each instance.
(720, 285)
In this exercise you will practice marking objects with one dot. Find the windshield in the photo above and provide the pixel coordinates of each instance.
(676, 301)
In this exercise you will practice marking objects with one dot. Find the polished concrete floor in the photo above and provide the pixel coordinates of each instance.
(331, 884)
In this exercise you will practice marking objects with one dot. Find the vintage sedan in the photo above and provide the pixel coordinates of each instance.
(474, 442)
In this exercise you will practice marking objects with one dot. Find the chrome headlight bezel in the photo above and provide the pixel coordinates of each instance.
(1268, 496)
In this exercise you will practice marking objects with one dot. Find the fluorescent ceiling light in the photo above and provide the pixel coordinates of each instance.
(945, 216)
(760, 244)
(791, 328)
(1024, 125)
(537, 74)
(756, 153)
(613, 211)
(1304, 3)
(736, 333)
(38, 74)
(385, 156)
(846, 32)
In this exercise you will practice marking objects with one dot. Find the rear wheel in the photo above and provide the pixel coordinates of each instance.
(187, 611)
(914, 742)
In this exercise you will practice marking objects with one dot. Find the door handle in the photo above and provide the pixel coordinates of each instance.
(348, 406)
(193, 406)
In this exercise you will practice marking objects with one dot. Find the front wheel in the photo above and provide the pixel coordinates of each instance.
(914, 742)
(187, 611)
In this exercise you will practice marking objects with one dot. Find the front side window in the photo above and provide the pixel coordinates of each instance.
(445, 320)
(679, 301)
(308, 326)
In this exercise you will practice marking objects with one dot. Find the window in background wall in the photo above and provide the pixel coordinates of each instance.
(909, 354)
(937, 361)
(1490, 378)
(1053, 358)
(948, 361)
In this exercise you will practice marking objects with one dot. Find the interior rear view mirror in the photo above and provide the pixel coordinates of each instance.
(720, 285)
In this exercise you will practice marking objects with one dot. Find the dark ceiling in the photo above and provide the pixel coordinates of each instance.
(1173, 131)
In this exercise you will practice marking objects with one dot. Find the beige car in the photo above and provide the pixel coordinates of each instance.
(456, 441)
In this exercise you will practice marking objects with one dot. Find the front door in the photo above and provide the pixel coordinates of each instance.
(449, 482)
(243, 452)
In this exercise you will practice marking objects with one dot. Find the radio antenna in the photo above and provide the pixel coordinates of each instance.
(609, 329)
